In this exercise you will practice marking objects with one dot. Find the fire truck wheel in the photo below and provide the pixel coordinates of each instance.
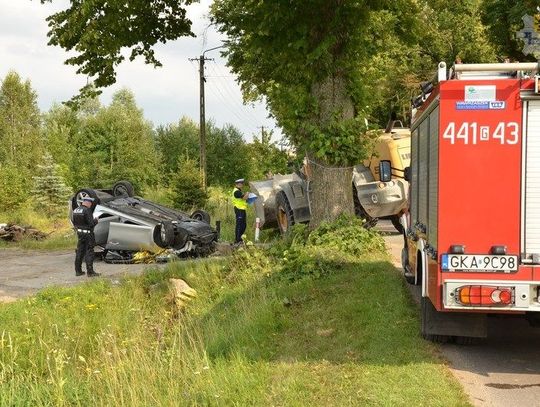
(285, 215)
(467, 340)
(438, 338)
(397, 224)
(429, 316)
(533, 319)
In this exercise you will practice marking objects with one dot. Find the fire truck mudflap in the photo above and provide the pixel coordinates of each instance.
(473, 227)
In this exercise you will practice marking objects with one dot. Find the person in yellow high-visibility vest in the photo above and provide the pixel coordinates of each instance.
(239, 199)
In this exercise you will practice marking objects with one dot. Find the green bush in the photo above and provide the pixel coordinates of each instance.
(329, 248)
(13, 188)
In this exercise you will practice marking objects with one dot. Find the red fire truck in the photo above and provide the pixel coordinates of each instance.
(473, 228)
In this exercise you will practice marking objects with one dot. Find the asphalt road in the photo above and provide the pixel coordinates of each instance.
(23, 273)
(504, 370)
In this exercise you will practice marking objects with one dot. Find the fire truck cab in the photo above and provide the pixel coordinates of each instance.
(472, 237)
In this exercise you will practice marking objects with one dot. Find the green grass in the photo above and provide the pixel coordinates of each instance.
(250, 338)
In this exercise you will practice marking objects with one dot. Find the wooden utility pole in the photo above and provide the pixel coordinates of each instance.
(202, 114)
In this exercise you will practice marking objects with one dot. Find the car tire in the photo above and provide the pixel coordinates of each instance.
(123, 188)
(80, 194)
(164, 235)
(285, 214)
(201, 215)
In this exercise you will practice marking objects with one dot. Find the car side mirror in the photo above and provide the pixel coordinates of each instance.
(385, 171)
(407, 174)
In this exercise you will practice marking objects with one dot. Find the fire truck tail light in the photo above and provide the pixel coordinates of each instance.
(484, 295)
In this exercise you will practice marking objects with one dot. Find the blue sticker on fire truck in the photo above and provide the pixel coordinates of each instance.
(481, 105)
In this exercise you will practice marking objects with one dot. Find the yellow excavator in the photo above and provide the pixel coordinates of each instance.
(284, 199)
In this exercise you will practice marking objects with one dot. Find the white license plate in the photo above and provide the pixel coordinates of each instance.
(479, 262)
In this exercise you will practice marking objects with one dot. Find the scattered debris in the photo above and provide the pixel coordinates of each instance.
(144, 257)
(15, 233)
(182, 292)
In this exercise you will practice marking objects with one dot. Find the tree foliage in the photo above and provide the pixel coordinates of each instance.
(13, 187)
(306, 59)
(176, 140)
(503, 20)
(20, 140)
(228, 155)
(265, 158)
(100, 30)
(97, 146)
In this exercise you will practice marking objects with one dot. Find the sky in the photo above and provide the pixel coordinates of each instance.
(165, 94)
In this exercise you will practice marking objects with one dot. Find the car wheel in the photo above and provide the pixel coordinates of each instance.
(164, 235)
(285, 215)
(123, 188)
(77, 199)
(201, 215)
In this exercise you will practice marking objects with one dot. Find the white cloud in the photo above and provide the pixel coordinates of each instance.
(165, 94)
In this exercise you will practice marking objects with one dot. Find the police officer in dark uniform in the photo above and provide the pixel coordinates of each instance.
(84, 222)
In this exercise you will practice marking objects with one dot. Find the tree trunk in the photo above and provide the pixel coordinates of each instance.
(331, 193)
(331, 187)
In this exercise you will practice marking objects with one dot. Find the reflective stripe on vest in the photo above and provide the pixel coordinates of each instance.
(238, 202)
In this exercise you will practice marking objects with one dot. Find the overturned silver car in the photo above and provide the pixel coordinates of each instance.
(128, 224)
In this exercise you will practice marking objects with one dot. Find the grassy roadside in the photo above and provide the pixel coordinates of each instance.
(257, 334)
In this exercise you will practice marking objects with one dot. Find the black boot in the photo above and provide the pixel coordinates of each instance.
(93, 274)
(79, 273)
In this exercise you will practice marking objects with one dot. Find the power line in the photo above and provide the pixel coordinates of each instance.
(227, 88)
(219, 95)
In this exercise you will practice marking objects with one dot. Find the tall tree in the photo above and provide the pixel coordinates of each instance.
(228, 155)
(61, 126)
(115, 143)
(99, 31)
(50, 190)
(177, 140)
(448, 30)
(266, 158)
(20, 140)
(305, 57)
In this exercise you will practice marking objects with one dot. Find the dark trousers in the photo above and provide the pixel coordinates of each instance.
(240, 224)
(85, 250)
